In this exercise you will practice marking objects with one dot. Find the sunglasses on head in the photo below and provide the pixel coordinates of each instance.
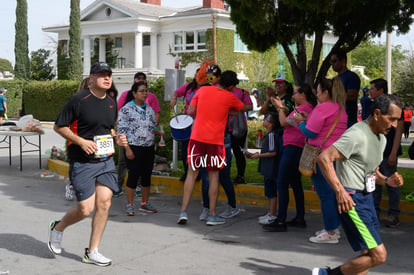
(212, 69)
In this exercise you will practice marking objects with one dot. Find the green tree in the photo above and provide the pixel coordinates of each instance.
(62, 60)
(371, 55)
(404, 82)
(5, 65)
(75, 67)
(263, 24)
(21, 43)
(41, 67)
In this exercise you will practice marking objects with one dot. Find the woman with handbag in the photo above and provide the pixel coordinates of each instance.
(323, 127)
(288, 173)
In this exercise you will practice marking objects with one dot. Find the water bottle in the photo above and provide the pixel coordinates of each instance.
(54, 152)
(259, 139)
(162, 141)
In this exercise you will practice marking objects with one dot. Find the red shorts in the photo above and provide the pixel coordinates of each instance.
(205, 155)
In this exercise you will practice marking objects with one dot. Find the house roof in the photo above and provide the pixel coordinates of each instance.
(196, 11)
(134, 8)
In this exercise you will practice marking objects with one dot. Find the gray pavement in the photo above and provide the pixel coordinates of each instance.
(154, 243)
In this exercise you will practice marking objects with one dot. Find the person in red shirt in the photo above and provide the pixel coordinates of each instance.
(408, 114)
(212, 106)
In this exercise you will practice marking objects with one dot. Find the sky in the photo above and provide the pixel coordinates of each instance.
(44, 13)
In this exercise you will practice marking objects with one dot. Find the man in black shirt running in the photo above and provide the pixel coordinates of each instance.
(87, 122)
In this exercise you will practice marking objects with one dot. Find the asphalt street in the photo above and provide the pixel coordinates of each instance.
(154, 243)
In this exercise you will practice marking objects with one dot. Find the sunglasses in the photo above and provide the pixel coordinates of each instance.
(143, 91)
(210, 78)
(333, 61)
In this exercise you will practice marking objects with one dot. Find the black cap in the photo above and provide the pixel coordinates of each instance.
(100, 67)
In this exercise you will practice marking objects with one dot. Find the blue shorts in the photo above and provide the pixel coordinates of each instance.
(84, 175)
(270, 188)
(361, 224)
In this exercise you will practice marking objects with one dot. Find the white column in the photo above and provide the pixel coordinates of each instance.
(154, 50)
(102, 49)
(86, 55)
(138, 50)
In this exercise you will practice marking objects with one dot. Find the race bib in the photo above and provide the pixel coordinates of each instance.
(105, 145)
(370, 182)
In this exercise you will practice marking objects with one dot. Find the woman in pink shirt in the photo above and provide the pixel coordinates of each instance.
(331, 95)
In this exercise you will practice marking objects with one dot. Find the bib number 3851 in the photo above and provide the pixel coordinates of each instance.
(105, 145)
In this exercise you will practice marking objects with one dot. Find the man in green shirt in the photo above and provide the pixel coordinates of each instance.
(357, 153)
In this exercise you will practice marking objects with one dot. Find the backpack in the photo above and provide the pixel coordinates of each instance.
(239, 124)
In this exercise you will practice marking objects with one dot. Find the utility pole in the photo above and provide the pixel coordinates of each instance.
(388, 61)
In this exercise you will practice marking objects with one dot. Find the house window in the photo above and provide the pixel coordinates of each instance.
(146, 40)
(239, 45)
(108, 12)
(118, 42)
(190, 41)
(201, 40)
(178, 42)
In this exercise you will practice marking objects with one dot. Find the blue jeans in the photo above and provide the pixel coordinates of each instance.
(393, 192)
(327, 196)
(224, 179)
(289, 174)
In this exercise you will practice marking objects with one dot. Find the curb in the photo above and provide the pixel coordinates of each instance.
(245, 193)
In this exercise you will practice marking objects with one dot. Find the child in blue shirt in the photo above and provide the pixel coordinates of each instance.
(267, 166)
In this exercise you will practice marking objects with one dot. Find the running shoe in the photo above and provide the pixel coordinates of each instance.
(324, 237)
(215, 220)
(182, 218)
(229, 212)
(147, 207)
(130, 210)
(96, 258)
(55, 238)
(204, 214)
(267, 219)
(337, 232)
(320, 271)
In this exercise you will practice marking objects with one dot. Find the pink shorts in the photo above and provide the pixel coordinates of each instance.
(205, 155)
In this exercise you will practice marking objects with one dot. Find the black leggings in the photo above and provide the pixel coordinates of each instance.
(407, 125)
(236, 145)
(141, 166)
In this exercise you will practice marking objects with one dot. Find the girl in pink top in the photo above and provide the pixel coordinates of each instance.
(331, 95)
(288, 173)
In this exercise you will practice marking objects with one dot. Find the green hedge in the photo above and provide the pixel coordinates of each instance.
(14, 96)
(45, 99)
